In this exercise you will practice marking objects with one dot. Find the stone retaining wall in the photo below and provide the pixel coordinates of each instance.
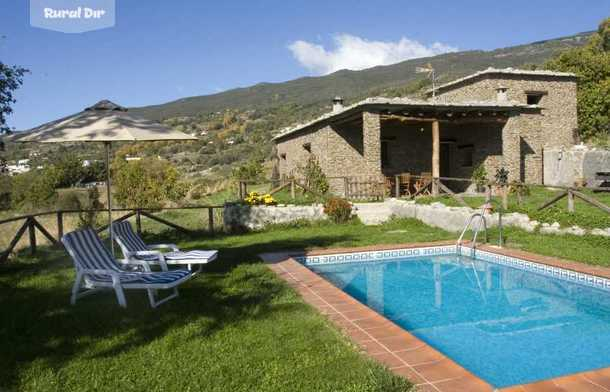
(239, 216)
(454, 218)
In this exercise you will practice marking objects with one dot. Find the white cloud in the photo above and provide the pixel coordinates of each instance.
(351, 52)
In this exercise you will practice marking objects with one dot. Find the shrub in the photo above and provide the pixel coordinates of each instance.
(479, 176)
(501, 176)
(6, 186)
(87, 201)
(315, 179)
(149, 182)
(251, 171)
(519, 190)
(338, 210)
(34, 189)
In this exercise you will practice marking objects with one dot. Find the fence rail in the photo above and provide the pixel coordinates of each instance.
(33, 225)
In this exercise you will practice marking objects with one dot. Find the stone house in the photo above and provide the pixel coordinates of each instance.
(496, 117)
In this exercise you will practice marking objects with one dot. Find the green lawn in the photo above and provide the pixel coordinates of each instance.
(585, 215)
(235, 328)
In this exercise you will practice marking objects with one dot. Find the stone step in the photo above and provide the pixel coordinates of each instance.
(373, 213)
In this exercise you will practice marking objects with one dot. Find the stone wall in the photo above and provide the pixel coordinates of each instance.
(453, 219)
(555, 125)
(238, 217)
(339, 149)
(565, 167)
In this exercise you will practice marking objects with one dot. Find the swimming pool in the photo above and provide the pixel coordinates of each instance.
(507, 320)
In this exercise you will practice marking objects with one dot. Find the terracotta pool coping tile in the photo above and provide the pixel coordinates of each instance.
(409, 373)
(578, 383)
(600, 377)
(397, 343)
(442, 369)
(388, 359)
(374, 348)
(403, 352)
(356, 314)
(422, 355)
(542, 386)
(516, 388)
(463, 384)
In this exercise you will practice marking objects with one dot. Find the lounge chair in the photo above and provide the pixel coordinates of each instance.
(96, 269)
(137, 252)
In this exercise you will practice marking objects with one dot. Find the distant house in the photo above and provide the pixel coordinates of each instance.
(21, 166)
(496, 117)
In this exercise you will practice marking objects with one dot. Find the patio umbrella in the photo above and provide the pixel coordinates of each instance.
(105, 122)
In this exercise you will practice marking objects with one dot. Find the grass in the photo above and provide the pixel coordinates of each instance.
(236, 327)
(585, 215)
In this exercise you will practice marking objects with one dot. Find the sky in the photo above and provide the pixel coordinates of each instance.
(162, 50)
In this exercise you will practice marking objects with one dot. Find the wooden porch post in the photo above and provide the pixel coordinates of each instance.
(436, 147)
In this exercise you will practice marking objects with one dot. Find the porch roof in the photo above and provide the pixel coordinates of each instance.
(403, 104)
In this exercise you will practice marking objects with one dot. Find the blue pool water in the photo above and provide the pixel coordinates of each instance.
(506, 325)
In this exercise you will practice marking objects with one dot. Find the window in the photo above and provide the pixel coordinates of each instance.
(283, 156)
(466, 155)
(385, 161)
(534, 97)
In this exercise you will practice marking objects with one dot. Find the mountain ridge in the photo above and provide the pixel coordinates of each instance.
(353, 84)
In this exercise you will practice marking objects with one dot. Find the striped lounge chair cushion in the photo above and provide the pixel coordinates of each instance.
(143, 277)
(89, 252)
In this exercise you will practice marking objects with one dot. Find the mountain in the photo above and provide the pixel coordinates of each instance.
(235, 127)
(352, 85)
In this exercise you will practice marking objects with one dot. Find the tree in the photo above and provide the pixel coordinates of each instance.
(148, 182)
(251, 171)
(69, 170)
(592, 65)
(34, 189)
(11, 78)
(315, 179)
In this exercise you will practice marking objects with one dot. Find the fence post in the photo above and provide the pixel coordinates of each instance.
(211, 220)
(292, 195)
(397, 186)
(32, 232)
(570, 200)
(60, 225)
(138, 222)
(435, 191)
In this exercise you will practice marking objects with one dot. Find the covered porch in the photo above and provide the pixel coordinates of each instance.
(406, 146)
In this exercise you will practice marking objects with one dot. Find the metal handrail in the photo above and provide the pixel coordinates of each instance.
(482, 221)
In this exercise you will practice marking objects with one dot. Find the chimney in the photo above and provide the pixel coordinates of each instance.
(502, 96)
(337, 104)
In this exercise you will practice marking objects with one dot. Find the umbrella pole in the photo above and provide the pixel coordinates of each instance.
(109, 196)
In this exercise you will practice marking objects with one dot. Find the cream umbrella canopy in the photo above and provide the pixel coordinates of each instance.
(105, 122)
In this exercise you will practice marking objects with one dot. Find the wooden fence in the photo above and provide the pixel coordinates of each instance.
(358, 188)
(33, 225)
(364, 188)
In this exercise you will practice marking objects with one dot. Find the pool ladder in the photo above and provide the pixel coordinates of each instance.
(482, 222)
